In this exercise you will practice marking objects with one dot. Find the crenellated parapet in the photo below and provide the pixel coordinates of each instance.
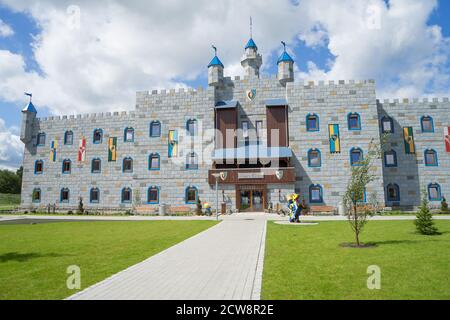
(86, 116)
(415, 101)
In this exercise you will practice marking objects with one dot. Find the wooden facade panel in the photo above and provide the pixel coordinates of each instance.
(254, 176)
(277, 119)
(226, 120)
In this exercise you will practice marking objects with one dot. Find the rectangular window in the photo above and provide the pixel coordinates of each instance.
(39, 167)
(155, 129)
(315, 195)
(390, 159)
(129, 135)
(153, 195)
(95, 196)
(65, 195)
(96, 166)
(353, 122)
(154, 162)
(192, 195)
(312, 124)
(314, 159)
(40, 141)
(434, 193)
(128, 165)
(192, 127)
(66, 167)
(387, 127)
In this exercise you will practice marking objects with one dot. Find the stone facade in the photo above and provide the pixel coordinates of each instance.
(331, 102)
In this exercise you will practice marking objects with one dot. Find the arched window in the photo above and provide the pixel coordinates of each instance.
(155, 129)
(68, 138)
(387, 125)
(315, 193)
(154, 162)
(434, 192)
(126, 195)
(67, 166)
(191, 161)
(427, 124)
(39, 167)
(65, 194)
(191, 195)
(393, 192)
(98, 136)
(153, 195)
(354, 121)
(356, 156)
(40, 139)
(36, 196)
(312, 122)
(314, 158)
(94, 196)
(128, 165)
(191, 127)
(128, 135)
(431, 158)
(96, 166)
(390, 158)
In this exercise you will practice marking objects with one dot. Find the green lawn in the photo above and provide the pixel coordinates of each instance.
(34, 258)
(9, 201)
(308, 263)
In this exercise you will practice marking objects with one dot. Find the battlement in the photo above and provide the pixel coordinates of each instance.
(415, 101)
(101, 115)
(180, 92)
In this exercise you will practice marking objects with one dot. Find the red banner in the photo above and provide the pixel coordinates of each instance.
(82, 150)
(447, 139)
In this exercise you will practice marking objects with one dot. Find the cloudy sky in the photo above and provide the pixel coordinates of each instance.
(81, 56)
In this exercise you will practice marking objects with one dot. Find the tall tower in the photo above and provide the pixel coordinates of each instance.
(252, 60)
(215, 70)
(285, 66)
(28, 118)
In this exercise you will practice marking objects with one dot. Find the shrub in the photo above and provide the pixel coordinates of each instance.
(424, 222)
(444, 205)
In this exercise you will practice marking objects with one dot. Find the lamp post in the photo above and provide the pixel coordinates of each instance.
(217, 176)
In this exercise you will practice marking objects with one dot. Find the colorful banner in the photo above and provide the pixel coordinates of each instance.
(82, 150)
(447, 139)
(335, 142)
(173, 143)
(408, 136)
(112, 149)
(53, 150)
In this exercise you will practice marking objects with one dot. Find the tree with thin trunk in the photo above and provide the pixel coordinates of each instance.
(362, 175)
(424, 222)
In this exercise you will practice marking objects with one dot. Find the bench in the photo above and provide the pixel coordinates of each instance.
(146, 210)
(181, 209)
(322, 209)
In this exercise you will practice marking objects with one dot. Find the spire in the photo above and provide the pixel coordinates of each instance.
(29, 107)
(215, 61)
(251, 43)
(285, 57)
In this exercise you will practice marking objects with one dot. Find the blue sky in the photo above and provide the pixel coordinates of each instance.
(311, 29)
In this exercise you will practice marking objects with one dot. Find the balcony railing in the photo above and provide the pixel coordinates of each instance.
(252, 176)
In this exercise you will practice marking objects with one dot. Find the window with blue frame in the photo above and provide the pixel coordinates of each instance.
(153, 195)
(191, 161)
(97, 136)
(315, 194)
(312, 122)
(36, 196)
(65, 194)
(390, 158)
(356, 156)
(128, 135)
(128, 165)
(155, 129)
(154, 162)
(40, 139)
(434, 192)
(431, 159)
(427, 124)
(68, 137)
(94, 195)
(387, 125)
(393, 192)
(39, 167)
(354, 121)
(126, 195)
(96, 166)
(191, 195)
(191, 127)
(67, 166)
(314, 158)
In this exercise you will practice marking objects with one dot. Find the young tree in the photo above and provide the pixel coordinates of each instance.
(444, 205)
(362, 175)
(424, 222)
(80, 206)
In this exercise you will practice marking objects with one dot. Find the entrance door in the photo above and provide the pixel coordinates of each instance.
(251, 201)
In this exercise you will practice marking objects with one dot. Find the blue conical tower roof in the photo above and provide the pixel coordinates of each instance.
(285, 57)
(215, 62)
(29, 108)
(251, 44)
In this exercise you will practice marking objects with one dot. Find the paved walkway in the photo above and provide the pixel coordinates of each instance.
(223, 262)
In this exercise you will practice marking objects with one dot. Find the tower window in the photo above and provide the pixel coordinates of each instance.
(128, 165)
(98, 136)
(36, 196)
(128, 135)
(39, 167)
(356, 156)
(354, 121)
(315, 194)
(314, 158)
(67, 166)
(191, 127)
(126, 195)
(68, 138)
(393, 192)
(154, 162)
(153, 195)
(390, 158)
(427, 124)
(312, 122)
(95, 195)
(434, 192)
(387, 125)
(65, 193)
(191, 195)
(155, 129)
(431, 159)
(191, 161)
(96, 165)
(40, 140)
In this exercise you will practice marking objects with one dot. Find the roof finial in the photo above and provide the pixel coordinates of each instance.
(284, 45)
(251, 27)
(29, 94)
(215, 50)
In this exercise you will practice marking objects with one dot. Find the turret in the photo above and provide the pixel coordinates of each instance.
(215, 71)
(28, 118)
(285, 67)
(252, 60)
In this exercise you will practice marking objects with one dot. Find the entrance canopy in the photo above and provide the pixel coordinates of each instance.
(252, 152)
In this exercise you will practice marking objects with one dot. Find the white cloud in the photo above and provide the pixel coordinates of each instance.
(11, 148)
(5, 30)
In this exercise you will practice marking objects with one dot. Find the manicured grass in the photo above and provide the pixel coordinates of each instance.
(9, 201)
(34, 258)
(308, 263)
